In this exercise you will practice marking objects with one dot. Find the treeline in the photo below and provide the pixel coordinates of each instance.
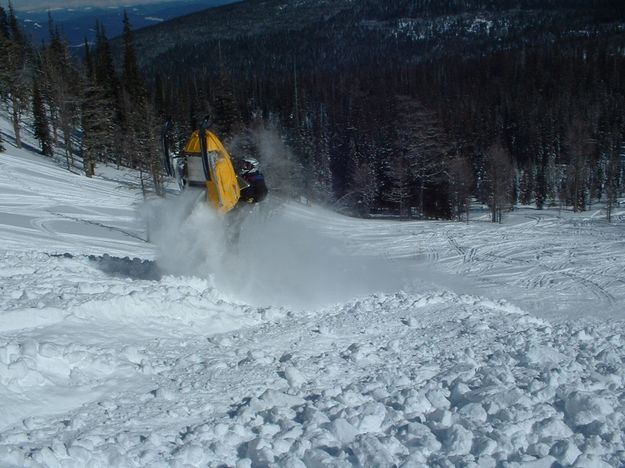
(532, 124)
(347, 116)
(85, 110)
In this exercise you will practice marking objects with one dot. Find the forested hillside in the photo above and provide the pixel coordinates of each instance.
(411, 107)
(83, 111)
(412, 103)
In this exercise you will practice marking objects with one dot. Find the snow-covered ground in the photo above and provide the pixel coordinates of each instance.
(322, 341)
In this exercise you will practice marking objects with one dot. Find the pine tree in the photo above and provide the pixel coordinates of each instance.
(88, 62)
(499, 180)
(322, 160)
(421, 139)
(4, 37)
(62, 91)
(4, 24)
(131, 77)
(226, 116)
(15, 72)
(40, 121)
(400, 182)
(98, 126)
(104, 70)
(139, 126)
(100, 107)
(14, 29)
(133, 87)
(579, 146)
(613, 176)
(541, 185)
(460, 186)
(526, 185)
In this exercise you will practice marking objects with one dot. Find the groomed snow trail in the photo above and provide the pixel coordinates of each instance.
(326, 341)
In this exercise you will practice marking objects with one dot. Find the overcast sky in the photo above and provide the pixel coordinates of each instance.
(51, 4)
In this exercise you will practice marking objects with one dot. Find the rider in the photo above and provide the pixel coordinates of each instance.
(253, 190)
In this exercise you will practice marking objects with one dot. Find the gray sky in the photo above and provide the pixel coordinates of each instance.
(51, 4)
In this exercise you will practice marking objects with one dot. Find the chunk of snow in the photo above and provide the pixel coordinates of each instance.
(294, 377)
(585, 407)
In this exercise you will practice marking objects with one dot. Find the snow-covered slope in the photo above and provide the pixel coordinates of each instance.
(323, 341)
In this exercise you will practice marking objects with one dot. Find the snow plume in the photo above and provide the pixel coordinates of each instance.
(284, 259)
(189, 234)
(283, 174)
(280, 258)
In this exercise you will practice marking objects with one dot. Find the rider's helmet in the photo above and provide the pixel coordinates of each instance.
(249, 166)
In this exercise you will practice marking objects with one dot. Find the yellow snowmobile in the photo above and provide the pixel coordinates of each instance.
(204, 163)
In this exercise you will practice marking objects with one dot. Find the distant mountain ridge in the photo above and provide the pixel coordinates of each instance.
(241, 19)
(78, 23)
(348, 29)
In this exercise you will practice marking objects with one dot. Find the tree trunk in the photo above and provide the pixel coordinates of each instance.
(16, 125)
(67, 140)
(90, 169)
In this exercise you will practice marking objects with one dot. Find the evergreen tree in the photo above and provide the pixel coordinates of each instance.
(541, 185)
(4, 24)
(131, 77)
(398, 191)
(40, 121)
(322, 163)
(226, 116)
(104, 70)
(421, 139)
(499, 180)
(62, 85)
(98, 127)
(88, 62)
(14, 29)
(526, 186)
(578, 148)
(460, 187)
(140, 125)
(15, 72)
(101, 112)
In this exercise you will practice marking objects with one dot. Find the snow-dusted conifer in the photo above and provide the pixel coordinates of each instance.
(578, 147)
(63, 91)
(499, 181)
(140, 143)
(15, 71)
(40, 121)
(421, 140)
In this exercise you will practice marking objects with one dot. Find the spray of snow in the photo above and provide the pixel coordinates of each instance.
(278, 258)
(279, 166)
(189, 235)
(282, 258)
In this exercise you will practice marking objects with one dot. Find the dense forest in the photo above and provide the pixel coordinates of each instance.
(410, 107)
(418, 107)
(84, 109)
